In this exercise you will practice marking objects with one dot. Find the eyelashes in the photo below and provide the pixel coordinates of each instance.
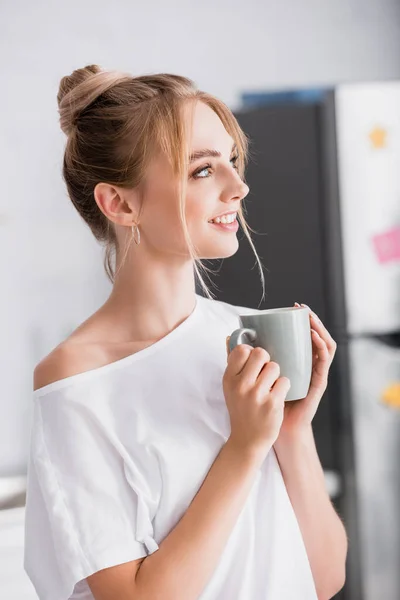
(195, 174)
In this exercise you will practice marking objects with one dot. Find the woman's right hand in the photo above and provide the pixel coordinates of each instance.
(255, 396)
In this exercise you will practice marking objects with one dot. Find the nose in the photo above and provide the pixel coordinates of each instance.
(244, 189)
(237, 189)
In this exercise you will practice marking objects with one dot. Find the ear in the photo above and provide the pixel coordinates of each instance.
(119, 205)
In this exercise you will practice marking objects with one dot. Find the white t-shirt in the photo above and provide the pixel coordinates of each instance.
(118, 453)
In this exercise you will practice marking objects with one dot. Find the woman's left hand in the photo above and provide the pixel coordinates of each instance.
(300, 413)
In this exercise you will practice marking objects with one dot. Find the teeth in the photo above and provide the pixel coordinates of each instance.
(224, 219)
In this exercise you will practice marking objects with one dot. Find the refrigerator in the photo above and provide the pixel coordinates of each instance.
(324, 201)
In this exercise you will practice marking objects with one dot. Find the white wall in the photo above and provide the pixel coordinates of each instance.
(51, 268)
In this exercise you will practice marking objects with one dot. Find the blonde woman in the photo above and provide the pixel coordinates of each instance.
(160, 467)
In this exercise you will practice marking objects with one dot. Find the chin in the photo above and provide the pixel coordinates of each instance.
(222, 250)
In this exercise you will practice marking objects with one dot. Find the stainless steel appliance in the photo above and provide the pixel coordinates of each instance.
(368, 151)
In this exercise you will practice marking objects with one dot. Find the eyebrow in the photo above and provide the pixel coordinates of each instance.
(206, 152)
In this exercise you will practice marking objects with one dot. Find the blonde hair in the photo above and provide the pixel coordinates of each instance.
(114, 122)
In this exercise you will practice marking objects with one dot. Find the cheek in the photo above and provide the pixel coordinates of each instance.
(160, 210)
(163, 230)
(161, 221)
(200, 207)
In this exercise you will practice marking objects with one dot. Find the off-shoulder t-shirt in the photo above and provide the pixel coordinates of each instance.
(117, 454)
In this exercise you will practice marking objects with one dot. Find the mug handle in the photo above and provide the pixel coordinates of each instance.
(236, 337)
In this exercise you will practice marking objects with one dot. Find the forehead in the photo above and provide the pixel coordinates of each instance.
(207, 129)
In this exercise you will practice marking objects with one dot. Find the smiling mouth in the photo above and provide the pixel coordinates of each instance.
(224, 219)
(233, 226)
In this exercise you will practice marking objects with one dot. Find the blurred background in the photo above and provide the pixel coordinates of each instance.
(316, 85)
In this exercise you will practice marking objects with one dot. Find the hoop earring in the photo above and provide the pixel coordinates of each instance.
(134, 231)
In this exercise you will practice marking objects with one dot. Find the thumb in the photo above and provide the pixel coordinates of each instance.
(227, 345)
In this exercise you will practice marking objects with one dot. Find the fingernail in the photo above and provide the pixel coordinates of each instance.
(306, 306)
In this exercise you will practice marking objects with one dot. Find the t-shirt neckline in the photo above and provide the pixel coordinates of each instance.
(130, 358)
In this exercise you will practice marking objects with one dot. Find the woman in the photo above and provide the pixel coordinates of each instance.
(154, 468)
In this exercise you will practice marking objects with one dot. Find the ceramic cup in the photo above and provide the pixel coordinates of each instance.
(286, 335)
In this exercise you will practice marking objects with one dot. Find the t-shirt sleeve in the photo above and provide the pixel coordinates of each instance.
(91, 500)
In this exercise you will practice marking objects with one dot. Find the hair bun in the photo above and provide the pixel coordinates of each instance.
(81, 88)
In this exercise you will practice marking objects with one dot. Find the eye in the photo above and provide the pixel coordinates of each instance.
(234, 159)
(197, 174)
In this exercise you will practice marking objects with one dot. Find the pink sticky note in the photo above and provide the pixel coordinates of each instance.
(387, 245)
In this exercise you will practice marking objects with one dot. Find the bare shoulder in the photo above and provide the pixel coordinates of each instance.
(89, 346)
(68, 358)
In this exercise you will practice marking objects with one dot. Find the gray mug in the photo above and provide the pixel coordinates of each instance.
(286, 335)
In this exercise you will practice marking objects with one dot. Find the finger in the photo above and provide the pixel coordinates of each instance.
(268, 376)
(258, 358)
(321, 329)
(237, 358)
(320, 345)
(281, 388)
(323, 333)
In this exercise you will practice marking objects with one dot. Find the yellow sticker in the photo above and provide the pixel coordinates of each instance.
(378, 137)
(391, 395)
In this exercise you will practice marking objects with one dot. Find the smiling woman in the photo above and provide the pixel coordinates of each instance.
(138, 119)
(152, 472)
